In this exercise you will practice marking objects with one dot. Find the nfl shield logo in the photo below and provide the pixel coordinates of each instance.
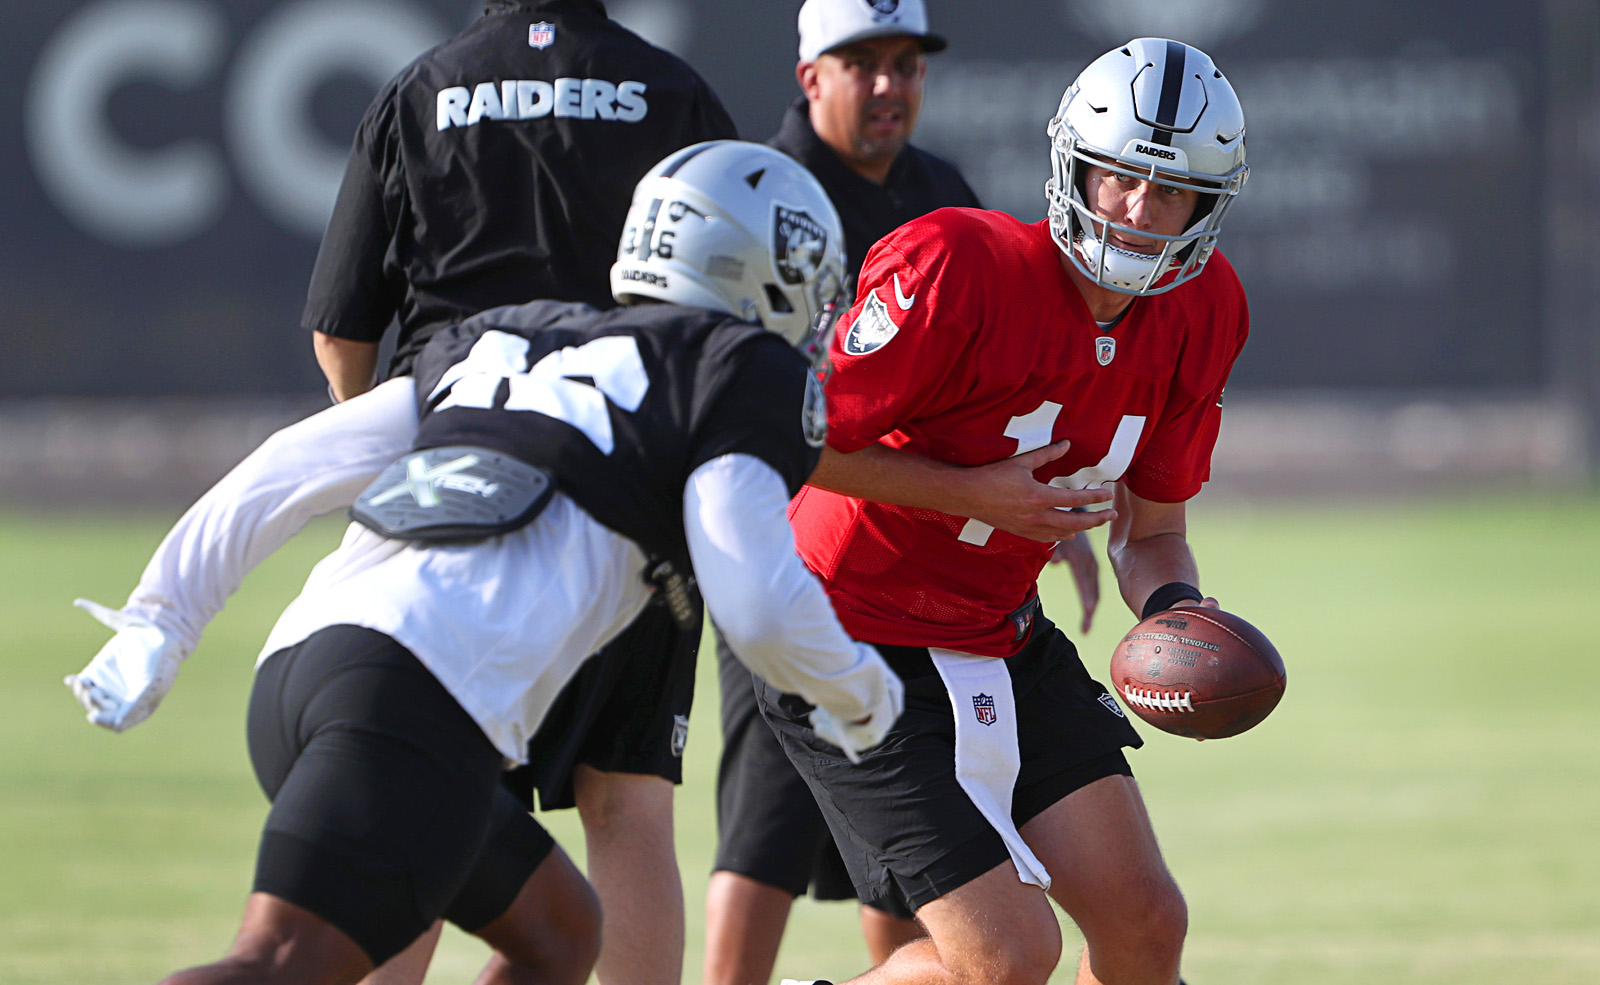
(983, 707)
(541, 35)
(1105, 349)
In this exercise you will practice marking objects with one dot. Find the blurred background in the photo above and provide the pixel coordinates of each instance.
(1420, 238)
(1404, 496)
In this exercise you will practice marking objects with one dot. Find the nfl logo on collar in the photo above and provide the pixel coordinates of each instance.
(541, 35)
(1105, 349)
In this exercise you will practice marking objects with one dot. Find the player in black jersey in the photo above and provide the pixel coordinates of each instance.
(494, 169)
(558, 457)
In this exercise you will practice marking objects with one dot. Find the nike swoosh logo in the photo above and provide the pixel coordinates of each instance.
(899, 296)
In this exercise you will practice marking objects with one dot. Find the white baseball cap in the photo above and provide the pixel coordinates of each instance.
(829, 24)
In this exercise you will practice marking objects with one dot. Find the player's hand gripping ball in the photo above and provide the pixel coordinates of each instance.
(1198, 672)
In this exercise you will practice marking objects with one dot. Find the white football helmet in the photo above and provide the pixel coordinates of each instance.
(1156, 110)
(735, 227)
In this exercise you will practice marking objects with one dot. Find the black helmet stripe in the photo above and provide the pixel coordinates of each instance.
(1171, 93)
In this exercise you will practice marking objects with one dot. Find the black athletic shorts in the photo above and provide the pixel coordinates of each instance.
(768, 826)
(899, 817)
(387, 810)
(626, 711)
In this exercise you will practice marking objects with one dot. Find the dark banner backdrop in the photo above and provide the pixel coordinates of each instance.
(167, 166)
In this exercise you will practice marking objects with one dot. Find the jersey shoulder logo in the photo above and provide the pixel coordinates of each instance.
(900, 297)
(1105, 349)
(541, 35)
(872, 329)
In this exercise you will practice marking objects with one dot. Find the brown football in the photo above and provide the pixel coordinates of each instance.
(1198, 672)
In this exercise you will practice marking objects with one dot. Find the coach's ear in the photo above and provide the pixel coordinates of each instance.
(130, 675)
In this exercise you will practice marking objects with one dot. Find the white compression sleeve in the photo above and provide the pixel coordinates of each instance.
(770, 609)
(317, 465)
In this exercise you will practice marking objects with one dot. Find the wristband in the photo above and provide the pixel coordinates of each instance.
(1169, 595)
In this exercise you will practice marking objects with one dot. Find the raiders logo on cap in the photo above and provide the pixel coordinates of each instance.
(884, 8)
(798, 244)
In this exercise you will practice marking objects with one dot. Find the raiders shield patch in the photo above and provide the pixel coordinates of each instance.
(1111, 705)
(873, 328)
(983, 708)
(1105, 349)
(814, 415)
(680, 735)
(798, 244)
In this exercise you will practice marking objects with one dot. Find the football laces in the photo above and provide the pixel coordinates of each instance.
(1153, 700)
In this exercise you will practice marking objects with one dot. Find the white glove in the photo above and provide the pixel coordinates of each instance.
(855, 738)
(130, 675)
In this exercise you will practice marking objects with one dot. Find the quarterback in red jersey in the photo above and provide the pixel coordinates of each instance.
(994, 385)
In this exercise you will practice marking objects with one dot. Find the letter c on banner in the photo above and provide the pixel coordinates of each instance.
(122, 194)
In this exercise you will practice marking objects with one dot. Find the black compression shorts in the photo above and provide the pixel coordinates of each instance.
(901, 821)
(625, 711)
(387, 811)
(768, 826)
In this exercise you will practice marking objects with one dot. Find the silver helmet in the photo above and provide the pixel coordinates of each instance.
(1159, 111)
(735, 227)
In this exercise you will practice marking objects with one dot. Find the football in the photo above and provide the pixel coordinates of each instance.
(1197, 672)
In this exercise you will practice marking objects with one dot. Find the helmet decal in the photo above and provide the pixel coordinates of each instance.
(798, 244)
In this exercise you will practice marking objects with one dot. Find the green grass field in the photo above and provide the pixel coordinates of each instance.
(1424, 807)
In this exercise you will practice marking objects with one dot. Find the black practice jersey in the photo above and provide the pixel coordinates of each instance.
(498, 168)
(622, 405)
(918, 183)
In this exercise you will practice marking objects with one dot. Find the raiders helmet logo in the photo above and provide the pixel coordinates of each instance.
(872, 329)
(1105, 349)
(798, 244)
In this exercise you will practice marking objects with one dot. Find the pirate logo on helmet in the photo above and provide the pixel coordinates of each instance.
(798, 245)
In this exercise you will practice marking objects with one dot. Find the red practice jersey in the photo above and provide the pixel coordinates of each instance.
(969, 343)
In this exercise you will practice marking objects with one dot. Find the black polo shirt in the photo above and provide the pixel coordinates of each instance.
(497, 168)
(918, 183)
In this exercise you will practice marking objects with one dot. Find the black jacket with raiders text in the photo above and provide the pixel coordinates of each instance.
(918, 183)
(622, 405)
(497, 168)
